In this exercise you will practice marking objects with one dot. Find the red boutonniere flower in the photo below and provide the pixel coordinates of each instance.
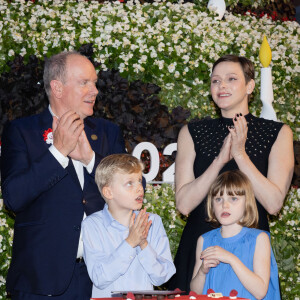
(48, 136)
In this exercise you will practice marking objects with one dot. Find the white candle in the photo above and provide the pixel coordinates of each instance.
(266, 89)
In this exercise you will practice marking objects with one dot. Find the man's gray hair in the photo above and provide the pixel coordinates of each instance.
(55, 69)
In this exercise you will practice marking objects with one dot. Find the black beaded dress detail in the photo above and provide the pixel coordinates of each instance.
(208, 136)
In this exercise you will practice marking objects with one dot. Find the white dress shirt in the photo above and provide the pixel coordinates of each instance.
(64, 161)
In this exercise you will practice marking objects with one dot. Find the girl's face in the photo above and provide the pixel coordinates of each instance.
(229, 89)
(228, 209)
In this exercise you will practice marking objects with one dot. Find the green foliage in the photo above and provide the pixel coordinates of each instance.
(160, 200)
(285, 241)
(6, 237)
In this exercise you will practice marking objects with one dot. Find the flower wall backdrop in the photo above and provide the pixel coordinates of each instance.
(165, 52)
(6, 238)
(171, 45)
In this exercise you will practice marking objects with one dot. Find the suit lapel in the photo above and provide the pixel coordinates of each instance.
(96, 136)
(45, 124)
(93, 138)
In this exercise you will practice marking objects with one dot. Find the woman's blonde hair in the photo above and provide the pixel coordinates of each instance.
(122, 163)
(234, 183)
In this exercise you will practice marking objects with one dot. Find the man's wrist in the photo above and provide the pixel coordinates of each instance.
(86, 161)
(59, 147)
(60, 157)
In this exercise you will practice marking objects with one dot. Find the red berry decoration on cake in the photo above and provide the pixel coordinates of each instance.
(130, 296)
(233, 294)
(212, 294)
(178, 291)
(193, 295)
(210, 291)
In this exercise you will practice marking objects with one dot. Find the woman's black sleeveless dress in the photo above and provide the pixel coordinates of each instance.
(208, 136)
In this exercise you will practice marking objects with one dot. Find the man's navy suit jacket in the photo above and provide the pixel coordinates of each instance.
(48, 201)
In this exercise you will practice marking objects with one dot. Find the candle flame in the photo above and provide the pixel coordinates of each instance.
(265, 53)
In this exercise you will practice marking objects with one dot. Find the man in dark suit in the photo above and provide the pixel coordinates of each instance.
(48, 165)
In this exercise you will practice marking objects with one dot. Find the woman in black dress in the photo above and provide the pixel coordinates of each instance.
(260, 148)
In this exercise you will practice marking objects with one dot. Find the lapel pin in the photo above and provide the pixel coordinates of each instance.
(94, 137)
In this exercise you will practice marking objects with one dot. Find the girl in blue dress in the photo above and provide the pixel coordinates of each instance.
(235, 255)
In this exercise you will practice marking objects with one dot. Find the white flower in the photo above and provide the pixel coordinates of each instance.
(172, 67)
(160, 63)
(153, 54)
(126, 41)
(11, 52)
(121, 67)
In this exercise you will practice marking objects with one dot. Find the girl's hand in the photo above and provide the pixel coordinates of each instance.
(225, 155)
(238, 136)
(207, 264)
(217, 253)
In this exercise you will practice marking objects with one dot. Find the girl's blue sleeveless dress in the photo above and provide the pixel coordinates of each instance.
(222, 278)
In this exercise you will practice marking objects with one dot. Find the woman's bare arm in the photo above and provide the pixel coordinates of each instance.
(190, 192)
(270, 191)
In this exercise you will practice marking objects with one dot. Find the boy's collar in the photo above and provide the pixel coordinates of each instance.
(109, 219)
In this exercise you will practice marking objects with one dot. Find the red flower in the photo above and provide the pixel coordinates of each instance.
(48, 136)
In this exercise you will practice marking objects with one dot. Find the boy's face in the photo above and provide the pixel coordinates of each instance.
(125, 191)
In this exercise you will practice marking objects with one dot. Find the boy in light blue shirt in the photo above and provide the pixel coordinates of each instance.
(125, 248)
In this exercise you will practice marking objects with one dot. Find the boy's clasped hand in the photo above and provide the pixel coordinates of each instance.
(138, 229)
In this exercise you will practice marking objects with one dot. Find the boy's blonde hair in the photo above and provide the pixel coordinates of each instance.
(235, 183)
(122, 163)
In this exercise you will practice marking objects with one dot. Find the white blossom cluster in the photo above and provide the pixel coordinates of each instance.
(172, 45)
(285, 237)
(6, 237)
(160, 199)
